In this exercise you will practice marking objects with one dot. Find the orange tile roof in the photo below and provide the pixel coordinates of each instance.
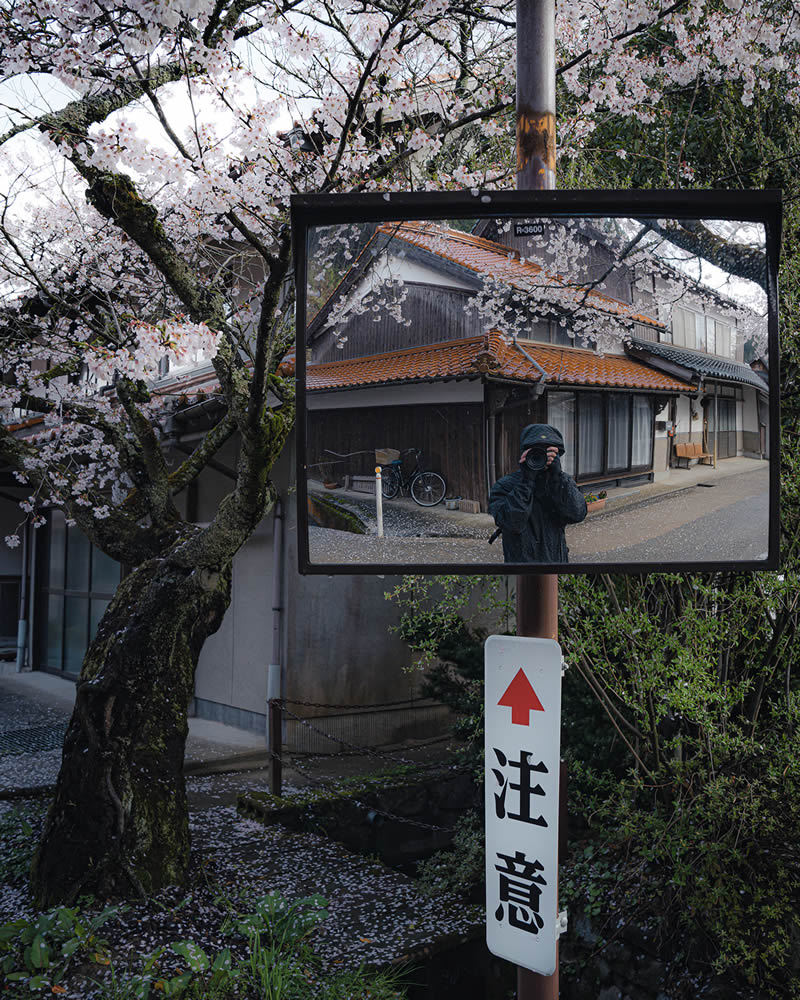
(504, 263)
(491, 356)
(482, 257)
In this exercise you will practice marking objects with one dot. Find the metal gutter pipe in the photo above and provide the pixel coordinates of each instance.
(22, 623)
(538, 389)
(274, 670)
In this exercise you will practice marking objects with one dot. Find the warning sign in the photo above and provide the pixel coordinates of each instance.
(523, 725)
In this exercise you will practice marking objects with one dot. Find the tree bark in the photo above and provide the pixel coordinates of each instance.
(118, 825)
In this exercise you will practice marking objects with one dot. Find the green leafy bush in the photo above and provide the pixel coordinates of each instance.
(278, 963)
(37, 952)
(19, 833)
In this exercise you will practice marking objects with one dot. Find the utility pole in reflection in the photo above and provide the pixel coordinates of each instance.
(537, 596)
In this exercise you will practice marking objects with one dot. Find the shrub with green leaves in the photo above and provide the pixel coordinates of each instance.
(19, 833)
(37, 952)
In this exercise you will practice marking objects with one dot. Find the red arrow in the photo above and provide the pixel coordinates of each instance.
(521, 699)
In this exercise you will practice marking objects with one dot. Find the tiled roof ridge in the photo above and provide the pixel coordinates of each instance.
(564, 347)
(704, 355)
(423, 228)
(491, 356)
(476, 339)
(456, 236)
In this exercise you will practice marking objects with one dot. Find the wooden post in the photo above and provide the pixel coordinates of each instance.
(537, 596)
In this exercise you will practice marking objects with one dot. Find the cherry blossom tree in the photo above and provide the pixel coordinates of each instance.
(135, 216)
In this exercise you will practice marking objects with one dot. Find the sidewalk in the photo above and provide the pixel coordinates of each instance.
(681, 479)
(220, 760)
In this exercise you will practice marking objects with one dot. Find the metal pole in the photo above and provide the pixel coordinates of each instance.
(275, 745)
(716, 421)
(537, 596)
(274, 679)
(379, 500)
(22, 621)
(536, 95)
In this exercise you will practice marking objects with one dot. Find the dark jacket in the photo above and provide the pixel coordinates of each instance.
(531, 508)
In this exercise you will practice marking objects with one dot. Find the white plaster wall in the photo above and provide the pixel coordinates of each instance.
(232, 669)
(683, 419)
(747, 411)
(399, 267)
(399, 395)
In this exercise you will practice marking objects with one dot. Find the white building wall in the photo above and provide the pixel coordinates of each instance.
(747, 419)
(684, 423)
(231, 677)
(336, 646)
(397, 267)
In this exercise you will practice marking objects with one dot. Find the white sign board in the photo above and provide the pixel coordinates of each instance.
(523, 742)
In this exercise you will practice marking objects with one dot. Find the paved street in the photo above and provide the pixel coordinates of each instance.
(705, 523)
(701, 514)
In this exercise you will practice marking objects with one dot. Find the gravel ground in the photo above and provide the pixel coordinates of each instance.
(411, 534)
(376, 916)
(34, 725)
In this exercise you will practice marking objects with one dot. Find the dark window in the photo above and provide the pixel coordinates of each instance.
(9, 609)
(605, 433)
(81, 580)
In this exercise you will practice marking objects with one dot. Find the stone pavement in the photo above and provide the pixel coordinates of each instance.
(34, 711)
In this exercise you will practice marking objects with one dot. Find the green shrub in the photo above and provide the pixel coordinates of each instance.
(37, 952)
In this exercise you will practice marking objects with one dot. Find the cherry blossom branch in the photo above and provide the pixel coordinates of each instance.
(355, 99)
(150, 472)
(642, 26)
(74, 119)
(115, 197)
(694, 236)
(278, 267)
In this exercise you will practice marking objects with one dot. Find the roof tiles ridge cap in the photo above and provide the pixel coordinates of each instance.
(460, 236)
(540, 345)
(439, 345)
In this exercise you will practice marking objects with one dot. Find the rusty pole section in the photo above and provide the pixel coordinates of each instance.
(536, 95)
(537, 596)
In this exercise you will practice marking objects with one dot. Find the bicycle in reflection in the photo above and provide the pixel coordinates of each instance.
(426, 488)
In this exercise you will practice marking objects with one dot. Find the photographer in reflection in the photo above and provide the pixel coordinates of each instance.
(532, 505)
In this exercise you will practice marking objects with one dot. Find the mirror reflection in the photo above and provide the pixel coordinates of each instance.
(550, 390)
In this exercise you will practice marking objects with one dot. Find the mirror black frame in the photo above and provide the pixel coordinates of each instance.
(315, 210)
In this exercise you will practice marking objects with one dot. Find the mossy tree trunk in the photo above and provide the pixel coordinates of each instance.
(119, 823)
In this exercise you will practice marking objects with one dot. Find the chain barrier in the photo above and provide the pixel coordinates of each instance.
(313, 780)
(370, 751)
(378, 704)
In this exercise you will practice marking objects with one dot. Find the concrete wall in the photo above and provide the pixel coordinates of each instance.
(660, 453)
(336, 644)
(231, 678)
(340, 649)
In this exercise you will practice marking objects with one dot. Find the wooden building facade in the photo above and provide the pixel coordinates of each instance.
(404, 353)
